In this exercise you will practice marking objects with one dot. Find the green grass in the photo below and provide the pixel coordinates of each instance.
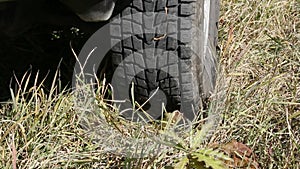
(258, 97)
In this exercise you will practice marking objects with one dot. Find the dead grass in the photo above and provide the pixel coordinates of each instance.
(259, 58)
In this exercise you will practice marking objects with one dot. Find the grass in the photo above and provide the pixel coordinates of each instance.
(260, 79)
(260, 60)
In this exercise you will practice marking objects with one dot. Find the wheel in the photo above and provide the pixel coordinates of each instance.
(164, 56)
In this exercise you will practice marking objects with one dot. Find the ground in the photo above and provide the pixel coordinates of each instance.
(257, 96)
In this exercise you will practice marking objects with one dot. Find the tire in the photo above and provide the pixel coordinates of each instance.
(165, 48)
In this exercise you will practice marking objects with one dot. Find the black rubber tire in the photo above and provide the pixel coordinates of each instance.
(186, 80)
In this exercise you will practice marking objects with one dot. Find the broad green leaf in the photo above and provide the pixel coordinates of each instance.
(183, 162)
(210, 160)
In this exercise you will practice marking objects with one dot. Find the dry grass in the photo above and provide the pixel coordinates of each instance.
(259, 58)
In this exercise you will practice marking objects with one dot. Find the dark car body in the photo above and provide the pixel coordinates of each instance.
(91, 10)
(87, 10)
(18, 16)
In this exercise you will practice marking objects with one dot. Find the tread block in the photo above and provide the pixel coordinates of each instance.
(137, 29)
(138, 4)
(172, 3)
(117, 47)
(129, 69)
(174, 70)
(174, 91)
(127, 43)
(126, 12)
(141, 82)
(141, 91)
(126, 26)
(160, 5)
(172, 28)
(137, 17)
(172, 44)
(186, 9)
(117, 58)
(185, 23)
(149, 6)
(162, 61)
(139, 59)
(115, 30)
(185, 36)
(185, 52)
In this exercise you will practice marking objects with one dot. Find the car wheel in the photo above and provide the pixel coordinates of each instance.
(164, 56)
